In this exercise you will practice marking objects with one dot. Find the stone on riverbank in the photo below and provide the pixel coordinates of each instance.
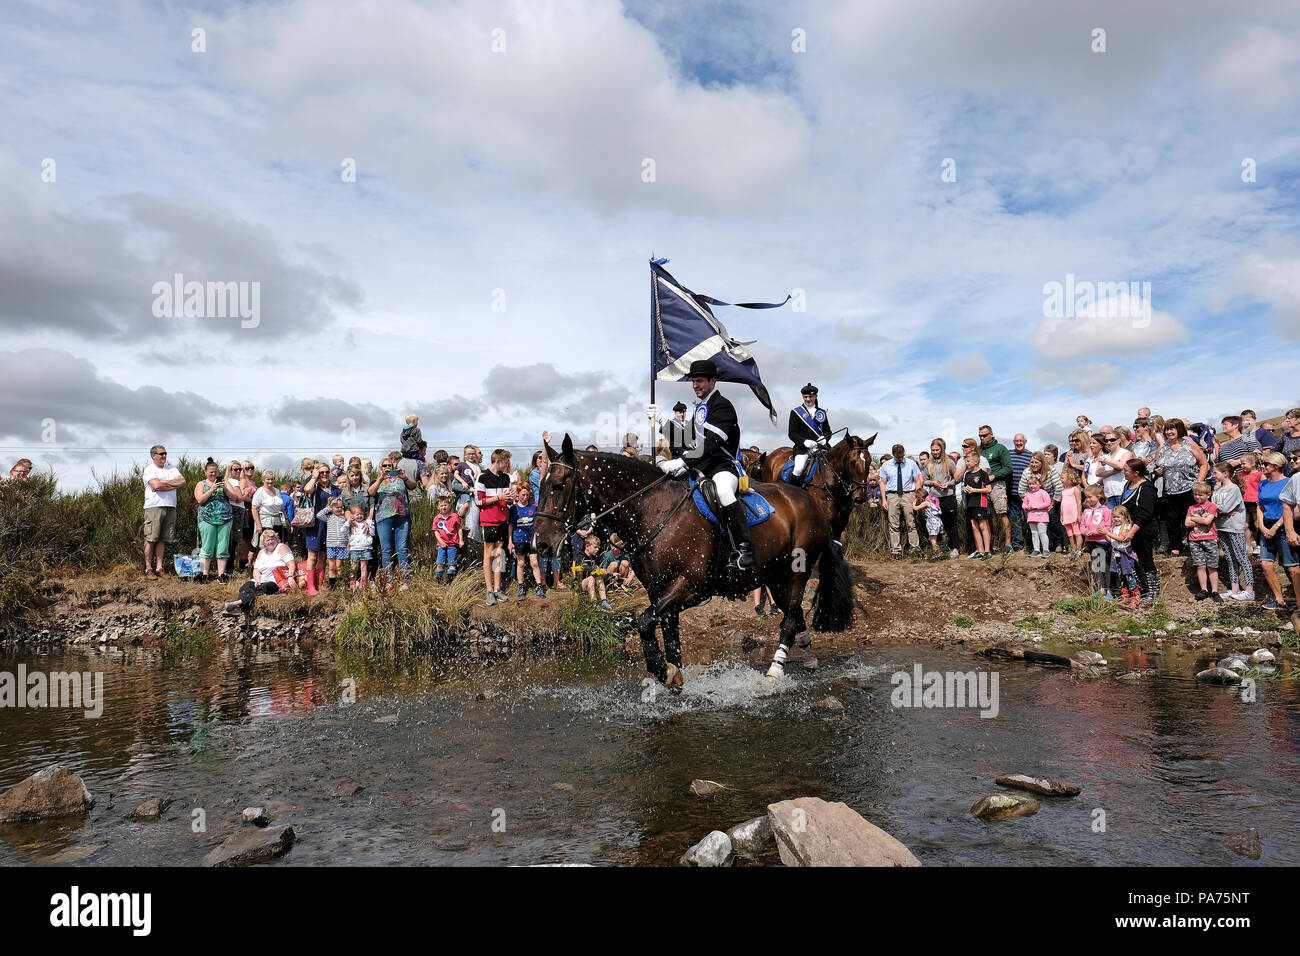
(1004, 806)
(750, 839)
(833, 704)
(1262, 656)
(348, 788)
(150, 809)
(52, 792)
(811, 832)
(256, 816)
(250, 847)
(1218, 675)
(1048, 788)
(714, 850)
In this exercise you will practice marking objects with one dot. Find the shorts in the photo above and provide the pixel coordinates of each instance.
(494, 534)
(336, 554)
(448, 553)
(358, 556)
(976, 513)
(523, 548)
(1278, 549)
(1204, 554)
(998, 497)
(160, 525)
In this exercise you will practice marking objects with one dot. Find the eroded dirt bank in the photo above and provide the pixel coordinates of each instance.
(1015, 600)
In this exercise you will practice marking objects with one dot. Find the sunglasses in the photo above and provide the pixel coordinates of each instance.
(158, 454)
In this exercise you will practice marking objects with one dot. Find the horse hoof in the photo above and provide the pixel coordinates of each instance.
(674, 680)
(775, 671)
(811, 664)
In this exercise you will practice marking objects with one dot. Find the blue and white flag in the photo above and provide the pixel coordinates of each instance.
(683, 329)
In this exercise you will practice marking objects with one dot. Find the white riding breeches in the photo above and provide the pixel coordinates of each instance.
(800, 462)
(726, 483)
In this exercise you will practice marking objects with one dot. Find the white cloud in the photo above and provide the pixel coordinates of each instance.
(971, 366)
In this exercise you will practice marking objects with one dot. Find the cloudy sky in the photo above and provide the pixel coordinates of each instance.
(921, 171)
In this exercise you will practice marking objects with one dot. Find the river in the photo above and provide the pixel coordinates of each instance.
(569, 757)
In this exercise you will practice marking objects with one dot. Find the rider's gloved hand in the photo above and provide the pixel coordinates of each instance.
(824, 442)
(810, 443)
(675, 467)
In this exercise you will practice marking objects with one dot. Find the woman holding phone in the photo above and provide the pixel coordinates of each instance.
(392, 515)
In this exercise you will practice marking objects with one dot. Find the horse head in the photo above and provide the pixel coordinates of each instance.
(851, 460)
(560, 499)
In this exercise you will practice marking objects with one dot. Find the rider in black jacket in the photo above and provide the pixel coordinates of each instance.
(810, 427)
(715, 454)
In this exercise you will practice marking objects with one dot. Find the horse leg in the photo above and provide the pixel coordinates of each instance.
(672, 637)
(792, 623)
(667, 671)
(654, 657)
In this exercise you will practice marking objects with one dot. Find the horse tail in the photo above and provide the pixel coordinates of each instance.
(833, 606)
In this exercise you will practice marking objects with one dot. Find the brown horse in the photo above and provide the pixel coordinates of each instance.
(836, 488)
(678, 554)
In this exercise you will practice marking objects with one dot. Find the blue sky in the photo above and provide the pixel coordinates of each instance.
(521, 171)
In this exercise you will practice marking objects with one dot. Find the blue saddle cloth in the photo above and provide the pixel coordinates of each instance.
(789, 467)
(757, 508)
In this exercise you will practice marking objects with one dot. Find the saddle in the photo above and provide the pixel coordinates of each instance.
(788, 469)
(757, 508)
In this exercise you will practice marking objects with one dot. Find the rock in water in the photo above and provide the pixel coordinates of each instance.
(705, 788)
(713, 850)
(1004, 806)
(811, 832)
(750, 839)
(150, 809)
(1234, 664)
(1218, 675)
(1262, 656)
(829, 703)
(248, 847)
(52, 792)
(1090, 659)
(256, 816)
(1048, 788)
(1246, 843)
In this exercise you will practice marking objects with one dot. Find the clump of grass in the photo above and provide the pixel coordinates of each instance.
(428, 613)
(964, 621)
(587, 622)
(1034, 623)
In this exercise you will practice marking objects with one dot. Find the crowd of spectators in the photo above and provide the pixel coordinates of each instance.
(1115, 494)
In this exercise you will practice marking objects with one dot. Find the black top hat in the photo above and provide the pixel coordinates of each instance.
(809, 389)
(679, 407)
(703, 367)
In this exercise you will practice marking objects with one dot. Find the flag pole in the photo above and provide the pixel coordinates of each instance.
(652, 345)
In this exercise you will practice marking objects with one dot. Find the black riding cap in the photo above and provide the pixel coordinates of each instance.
(809, 389)
(703, 368)
(679, 407)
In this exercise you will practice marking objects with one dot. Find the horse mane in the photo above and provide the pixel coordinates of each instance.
(621, 465)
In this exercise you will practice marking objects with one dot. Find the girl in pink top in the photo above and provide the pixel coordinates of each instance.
(1038, 506)
(1094, 523)
(1071, 506)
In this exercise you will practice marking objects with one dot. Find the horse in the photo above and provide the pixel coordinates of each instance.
(679, 556)
(841, 479)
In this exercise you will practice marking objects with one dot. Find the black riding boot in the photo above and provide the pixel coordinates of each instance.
(738, 524)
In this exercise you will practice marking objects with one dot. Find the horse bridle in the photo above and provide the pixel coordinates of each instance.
(843, 486)
(570, 500)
